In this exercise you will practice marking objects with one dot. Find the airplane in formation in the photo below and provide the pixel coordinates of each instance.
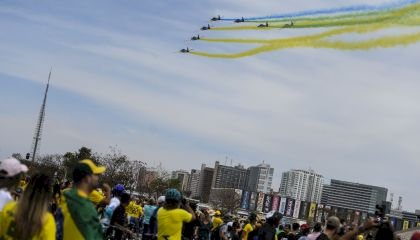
(185, 50)
(239, 20)
(205, 27)
(196, 37)
(263, 25)
(287, 25)
(215, 18)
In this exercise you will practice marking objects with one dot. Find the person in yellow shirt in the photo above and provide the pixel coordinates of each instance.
(80, 218)
(29, 217)
(217, 220)
(172, 215)
(134, 212)
(249, 227)
(101, 197)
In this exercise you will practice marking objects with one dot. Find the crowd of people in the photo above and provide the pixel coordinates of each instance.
(40, 207)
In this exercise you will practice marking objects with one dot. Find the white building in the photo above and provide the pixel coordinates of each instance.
(194, 183)
(304, 185)
(183, 177)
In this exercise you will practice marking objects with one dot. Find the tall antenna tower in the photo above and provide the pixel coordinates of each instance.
(400, 199)
(392, 200)
(38, 129)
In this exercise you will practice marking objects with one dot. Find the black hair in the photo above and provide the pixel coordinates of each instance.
(66, 184)
(125, 198)
(56, 190)
(385, 232)
(295, 226)
(317, 227)
(80, 172)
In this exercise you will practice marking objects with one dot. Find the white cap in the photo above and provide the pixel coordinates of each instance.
(11, 167)
(161, 199)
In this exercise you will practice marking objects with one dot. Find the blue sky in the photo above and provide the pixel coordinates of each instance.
(118, 80)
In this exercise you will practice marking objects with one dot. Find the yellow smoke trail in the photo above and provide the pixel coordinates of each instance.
(383, 42)
(318, 40)
(326, 34)
(402, 17)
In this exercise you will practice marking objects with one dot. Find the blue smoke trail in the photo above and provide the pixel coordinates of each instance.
(357, 8)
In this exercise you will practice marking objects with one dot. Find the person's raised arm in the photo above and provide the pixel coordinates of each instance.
(186, 206)
(368, 225)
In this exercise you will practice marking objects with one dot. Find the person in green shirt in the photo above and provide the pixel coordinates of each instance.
(80, 218)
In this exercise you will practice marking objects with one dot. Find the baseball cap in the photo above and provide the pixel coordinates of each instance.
(304, 226)
(217, 213)
(85, 168)
(10, 167)
(95, 169)
(333, 222)
(161, 199)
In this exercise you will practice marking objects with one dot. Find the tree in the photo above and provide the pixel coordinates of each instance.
(158, 186)
(50, 164)
(18, 156)
(225, 198)
(72, 158)
(120, 169)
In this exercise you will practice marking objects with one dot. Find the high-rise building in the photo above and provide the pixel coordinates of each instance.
(228, 176)
(259, 178)
(206, 179)
(304, 185)
(354, 196)
(194, 183)
(183, 177)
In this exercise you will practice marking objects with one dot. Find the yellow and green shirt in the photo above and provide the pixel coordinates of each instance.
(96, 197)
(7, 222)
(217, 221)
(80, 217)
(134, 210)
(247, 229)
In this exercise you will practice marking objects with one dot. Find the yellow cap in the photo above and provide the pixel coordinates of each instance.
(217, 213)
(95, 169)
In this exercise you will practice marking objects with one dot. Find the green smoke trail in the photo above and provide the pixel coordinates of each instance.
(335, 21)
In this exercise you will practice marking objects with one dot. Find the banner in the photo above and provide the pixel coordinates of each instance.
(275, 203)
(282, 205)
(245, 200)
(304, 209)
(312, 211)
(349, 215)
(290, 203)
(405, 225)
(260, 202)
(296, 210)
(319, 213)
(267, 203)
(253, 201)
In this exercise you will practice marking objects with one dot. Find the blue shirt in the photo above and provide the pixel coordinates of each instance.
(148, 212)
